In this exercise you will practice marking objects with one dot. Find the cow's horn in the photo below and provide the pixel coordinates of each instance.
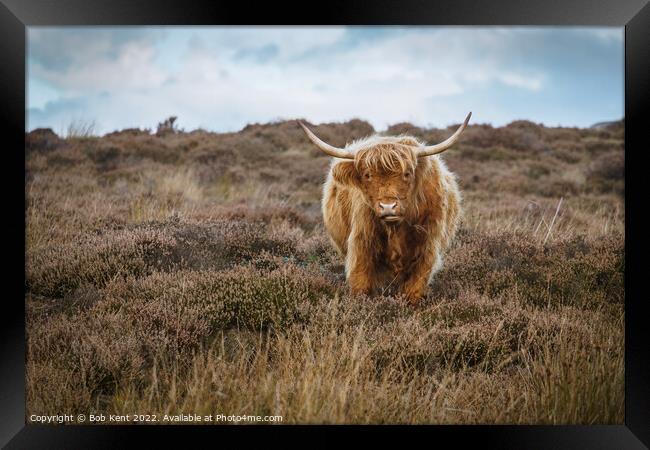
(439, 148)
(329, 149)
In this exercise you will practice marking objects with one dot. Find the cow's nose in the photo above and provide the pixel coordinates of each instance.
(387, 208)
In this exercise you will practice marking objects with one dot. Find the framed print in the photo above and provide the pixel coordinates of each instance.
(371, 220)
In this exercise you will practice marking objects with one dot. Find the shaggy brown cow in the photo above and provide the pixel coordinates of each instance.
(391, 207)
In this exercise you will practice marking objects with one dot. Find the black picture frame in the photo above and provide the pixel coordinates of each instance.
(634, 15)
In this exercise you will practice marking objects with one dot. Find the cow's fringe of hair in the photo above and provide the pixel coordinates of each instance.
(387, 157)
(389, 153)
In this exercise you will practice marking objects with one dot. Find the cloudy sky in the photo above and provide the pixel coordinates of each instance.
(222, 78)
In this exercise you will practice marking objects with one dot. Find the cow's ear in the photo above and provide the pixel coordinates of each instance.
(346, 173)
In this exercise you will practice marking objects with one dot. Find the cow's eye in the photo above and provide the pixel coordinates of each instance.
(367, 176)
(407, 175)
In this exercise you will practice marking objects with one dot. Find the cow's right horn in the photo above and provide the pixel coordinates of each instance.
(439, 148)
(325, 147)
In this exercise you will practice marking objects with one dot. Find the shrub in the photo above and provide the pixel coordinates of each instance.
(57, 270)
(41, 140)
(561, 273)
(167, 126)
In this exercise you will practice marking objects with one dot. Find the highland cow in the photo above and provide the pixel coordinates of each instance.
(391, 207)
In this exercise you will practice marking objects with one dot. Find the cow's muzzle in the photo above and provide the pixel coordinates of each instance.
(389, 212)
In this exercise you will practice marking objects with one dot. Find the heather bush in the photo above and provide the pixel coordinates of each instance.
(562, 273)
(42, 140)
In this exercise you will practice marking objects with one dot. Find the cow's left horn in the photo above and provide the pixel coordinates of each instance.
(329, 149)
(439, 148)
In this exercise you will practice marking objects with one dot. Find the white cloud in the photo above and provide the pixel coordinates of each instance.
(516, 80)
(131, 69)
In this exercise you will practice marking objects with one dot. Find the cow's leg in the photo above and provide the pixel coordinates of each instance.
(417, 278)
(361, 281)
(360, 266)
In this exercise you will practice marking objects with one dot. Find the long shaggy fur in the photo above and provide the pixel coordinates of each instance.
(403, 257)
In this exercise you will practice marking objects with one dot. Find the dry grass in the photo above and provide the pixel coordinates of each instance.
(190, 273)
